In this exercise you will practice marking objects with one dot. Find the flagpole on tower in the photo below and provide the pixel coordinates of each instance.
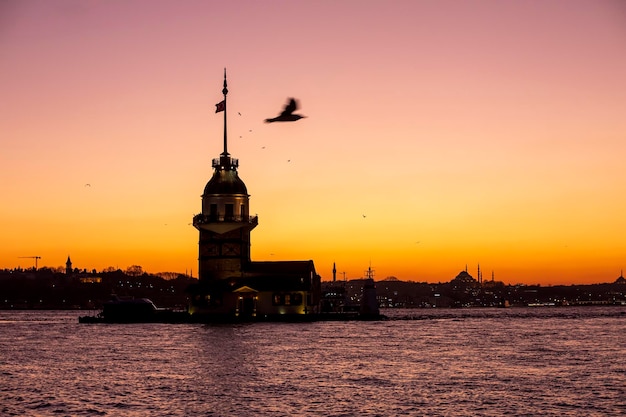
(225, 91)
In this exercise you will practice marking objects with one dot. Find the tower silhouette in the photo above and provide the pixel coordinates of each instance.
(68, 266)
(230, 285)
(225, 223)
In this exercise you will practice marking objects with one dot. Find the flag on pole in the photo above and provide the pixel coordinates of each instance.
(221, 106)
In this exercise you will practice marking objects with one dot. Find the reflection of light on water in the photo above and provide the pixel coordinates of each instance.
(489, 360)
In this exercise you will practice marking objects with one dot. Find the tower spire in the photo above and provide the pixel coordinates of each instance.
(225, 91)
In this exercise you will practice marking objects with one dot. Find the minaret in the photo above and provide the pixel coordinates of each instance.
(225, 223)
(334, 272)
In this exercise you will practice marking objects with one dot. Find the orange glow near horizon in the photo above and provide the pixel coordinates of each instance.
(438, 134)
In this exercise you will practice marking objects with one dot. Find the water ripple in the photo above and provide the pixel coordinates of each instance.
(481, 362)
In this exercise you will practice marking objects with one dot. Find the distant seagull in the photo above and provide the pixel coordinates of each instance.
(287, 114)
(239, 113)
(288, 160)
(364, 216)
(87, 185)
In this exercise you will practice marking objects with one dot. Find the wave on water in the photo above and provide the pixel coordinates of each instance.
(560, 361)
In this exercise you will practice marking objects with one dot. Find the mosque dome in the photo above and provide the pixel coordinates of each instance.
(225, 181)
(464, 277)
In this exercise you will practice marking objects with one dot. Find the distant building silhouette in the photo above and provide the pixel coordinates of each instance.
(68, 266)
(369, 301)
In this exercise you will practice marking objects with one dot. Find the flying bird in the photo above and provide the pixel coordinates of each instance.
(287, 114)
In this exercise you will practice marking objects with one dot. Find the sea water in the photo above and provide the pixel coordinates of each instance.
(559, 361)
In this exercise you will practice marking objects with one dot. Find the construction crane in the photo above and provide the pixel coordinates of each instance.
(32, 257)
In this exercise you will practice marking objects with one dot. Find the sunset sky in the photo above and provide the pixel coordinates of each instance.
(439, 134)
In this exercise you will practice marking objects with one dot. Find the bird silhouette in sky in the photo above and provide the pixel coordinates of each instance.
(287, 114)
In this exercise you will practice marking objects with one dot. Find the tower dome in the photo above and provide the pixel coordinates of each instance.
(225, 179)
(225, 191)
